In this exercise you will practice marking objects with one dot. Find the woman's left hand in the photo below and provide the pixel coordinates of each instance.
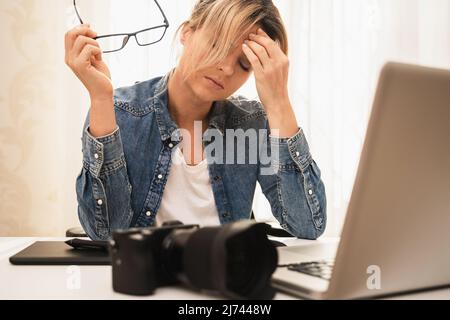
(271, 69)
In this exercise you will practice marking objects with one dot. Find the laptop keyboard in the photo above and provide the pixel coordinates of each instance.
(319, 269)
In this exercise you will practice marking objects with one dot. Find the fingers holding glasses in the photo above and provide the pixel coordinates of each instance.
(71, 36)
(80, 42)
(84, 57)
(88, 52)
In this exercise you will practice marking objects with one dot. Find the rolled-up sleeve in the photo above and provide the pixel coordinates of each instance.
(103, 188)
(102, 154)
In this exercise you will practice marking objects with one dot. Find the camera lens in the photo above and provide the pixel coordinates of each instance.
(236, 260)
(248, 262)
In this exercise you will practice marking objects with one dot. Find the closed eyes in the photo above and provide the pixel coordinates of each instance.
(244, 66)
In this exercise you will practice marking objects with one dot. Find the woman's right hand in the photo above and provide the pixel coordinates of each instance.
(84, 56)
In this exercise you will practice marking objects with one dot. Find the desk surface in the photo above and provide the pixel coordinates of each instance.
(57, 282)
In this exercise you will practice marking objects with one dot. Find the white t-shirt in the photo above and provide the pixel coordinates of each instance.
(188, 195)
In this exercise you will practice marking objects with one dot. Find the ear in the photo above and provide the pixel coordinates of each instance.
(186, 33)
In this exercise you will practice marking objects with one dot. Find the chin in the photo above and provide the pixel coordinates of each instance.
(206, 94)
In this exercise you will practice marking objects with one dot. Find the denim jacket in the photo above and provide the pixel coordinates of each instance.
(124, 174)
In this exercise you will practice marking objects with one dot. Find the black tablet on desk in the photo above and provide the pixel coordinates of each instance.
(59, 253)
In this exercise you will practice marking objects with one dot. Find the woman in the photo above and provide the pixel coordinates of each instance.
(147, 155)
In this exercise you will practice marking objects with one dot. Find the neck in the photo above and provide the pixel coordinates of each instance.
(184, 106)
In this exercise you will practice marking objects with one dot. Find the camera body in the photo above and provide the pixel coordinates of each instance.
(137, 258)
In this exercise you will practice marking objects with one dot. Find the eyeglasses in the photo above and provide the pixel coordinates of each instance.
(116, 42)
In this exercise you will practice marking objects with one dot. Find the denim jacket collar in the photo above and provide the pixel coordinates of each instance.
(167, 126)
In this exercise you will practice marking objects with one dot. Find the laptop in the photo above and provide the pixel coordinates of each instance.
(396, 235)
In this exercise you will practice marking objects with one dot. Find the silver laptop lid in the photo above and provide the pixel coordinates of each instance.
(396, 236)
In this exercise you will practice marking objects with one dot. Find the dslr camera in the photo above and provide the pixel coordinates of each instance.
(235, 260)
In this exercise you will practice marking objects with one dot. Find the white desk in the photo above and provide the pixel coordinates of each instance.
(54, 282)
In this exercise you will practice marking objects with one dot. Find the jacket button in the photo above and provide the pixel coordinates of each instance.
(160, 176)
(96, 156)
(100, 202)
(310, 192)
(148, 213)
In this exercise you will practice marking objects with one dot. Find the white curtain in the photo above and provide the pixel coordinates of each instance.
(337, 48)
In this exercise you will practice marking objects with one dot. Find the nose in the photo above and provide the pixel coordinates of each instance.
(227, 66)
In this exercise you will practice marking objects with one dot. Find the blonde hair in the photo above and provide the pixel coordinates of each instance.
(223, 22)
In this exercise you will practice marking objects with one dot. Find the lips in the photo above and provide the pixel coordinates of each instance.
(216, 82)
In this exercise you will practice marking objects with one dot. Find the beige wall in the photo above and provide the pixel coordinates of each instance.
(42, 108)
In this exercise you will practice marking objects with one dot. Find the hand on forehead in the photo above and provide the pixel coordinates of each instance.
(245, 36)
